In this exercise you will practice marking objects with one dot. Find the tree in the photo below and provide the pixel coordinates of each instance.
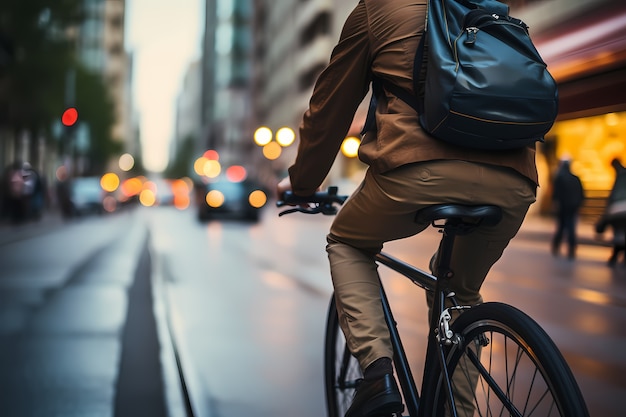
(96, 110)
(37, 52)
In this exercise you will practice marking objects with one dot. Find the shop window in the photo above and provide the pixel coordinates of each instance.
(591, 143)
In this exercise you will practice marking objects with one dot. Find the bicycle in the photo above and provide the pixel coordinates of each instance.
(507, 360)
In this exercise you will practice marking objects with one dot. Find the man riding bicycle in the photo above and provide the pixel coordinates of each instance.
(407, 171)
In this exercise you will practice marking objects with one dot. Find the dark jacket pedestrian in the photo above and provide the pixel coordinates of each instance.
(615, 213)
(568, 197)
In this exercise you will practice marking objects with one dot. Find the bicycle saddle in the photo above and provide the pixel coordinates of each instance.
(487, 215)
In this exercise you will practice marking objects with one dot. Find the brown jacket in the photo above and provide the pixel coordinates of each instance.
(379, 37)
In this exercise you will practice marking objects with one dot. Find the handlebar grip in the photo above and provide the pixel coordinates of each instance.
(329, 196)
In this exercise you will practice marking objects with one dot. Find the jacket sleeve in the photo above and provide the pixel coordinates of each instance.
(337, 94)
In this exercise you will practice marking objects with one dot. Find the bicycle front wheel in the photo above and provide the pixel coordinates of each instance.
(504, 364)
(342, 372)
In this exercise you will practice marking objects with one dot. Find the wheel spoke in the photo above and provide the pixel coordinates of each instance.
(516, 372)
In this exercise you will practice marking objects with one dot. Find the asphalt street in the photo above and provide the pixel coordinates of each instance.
(86, 329)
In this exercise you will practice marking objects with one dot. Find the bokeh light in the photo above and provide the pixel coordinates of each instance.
(272, 151)
(263, 136)
(198, 165)
(236, 173)
(181, 191)
(147, 197)
(350, 147)
(69, 117)
(212, 154)
(61, 173)
(257, 199)
(285, 136)
(212, 168)
(131, 187)
(126, 162)
(109, 203)
(109, 182)
(215, 198)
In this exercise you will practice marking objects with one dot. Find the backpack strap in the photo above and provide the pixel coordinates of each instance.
(370, 119)
(413, 100)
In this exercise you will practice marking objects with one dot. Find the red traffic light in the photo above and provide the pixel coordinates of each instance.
(70, 116)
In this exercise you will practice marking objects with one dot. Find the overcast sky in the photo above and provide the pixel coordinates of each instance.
(165, 37)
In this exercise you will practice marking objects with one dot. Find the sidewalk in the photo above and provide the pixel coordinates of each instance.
(542, 228)
(50, 220)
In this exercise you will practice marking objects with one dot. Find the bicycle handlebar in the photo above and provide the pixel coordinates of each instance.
(321, 202)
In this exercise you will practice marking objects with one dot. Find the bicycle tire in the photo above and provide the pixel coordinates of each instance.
(537, 381)
(342, 372)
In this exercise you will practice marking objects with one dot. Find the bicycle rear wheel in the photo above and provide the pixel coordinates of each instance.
(342, 372)
(513, 364)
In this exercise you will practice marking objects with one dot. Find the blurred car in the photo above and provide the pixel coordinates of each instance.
(86, 196)
(230, 199)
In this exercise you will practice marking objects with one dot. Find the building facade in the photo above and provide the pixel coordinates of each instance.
(582, 41)
(226, 73)
(293, 41)
(101, 49)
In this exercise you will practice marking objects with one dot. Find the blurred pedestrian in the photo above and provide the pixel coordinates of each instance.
(15, 186)
(568, 197)
(33, 192)
(615, 213)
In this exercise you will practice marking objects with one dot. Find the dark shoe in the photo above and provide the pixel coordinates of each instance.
(376, 397)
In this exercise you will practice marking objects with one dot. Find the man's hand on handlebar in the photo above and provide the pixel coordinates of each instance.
(283, 186)
(324, 202)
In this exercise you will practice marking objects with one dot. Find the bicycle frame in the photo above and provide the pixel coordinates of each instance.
(448, 345)
(433, 284)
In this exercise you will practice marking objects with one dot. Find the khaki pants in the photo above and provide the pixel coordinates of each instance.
(383, 209)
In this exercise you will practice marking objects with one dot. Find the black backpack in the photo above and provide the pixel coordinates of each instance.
(485, 85)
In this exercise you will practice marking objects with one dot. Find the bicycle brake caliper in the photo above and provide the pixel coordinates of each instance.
(445, 335)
